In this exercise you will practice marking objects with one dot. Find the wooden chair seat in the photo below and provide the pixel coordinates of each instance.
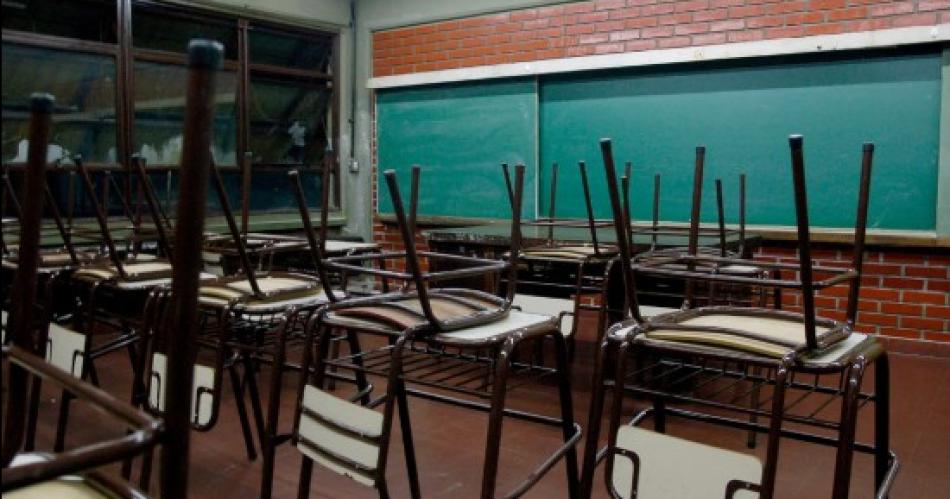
(138, 271)
(64, 487)
(201, 395)
(726, 328)
(394, 314)
(573, 253)
(663, 459)
(340, 435)
(280, 292)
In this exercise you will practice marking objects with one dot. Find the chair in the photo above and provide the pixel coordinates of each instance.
(698, 357)
(558, 268)
(452, 339)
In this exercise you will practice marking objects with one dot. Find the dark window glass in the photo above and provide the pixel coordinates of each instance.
(84, 87)
(167, 30)
(288, 121)
(311, 52)
(83, 19)
(160, 110)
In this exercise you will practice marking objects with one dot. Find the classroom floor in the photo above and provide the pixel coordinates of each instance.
(449, 442)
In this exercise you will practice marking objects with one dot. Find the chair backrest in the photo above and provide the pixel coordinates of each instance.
(100, 214)
(235, 232)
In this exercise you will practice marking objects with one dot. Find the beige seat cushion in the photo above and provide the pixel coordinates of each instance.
(558, 307)
(143, 270)
(774, 337)
(578, 252)
(280, 291)
(672, 467)
(67, 487)
(404, 312)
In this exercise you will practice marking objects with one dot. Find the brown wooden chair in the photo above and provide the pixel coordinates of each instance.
(452, 339)
(692, 363)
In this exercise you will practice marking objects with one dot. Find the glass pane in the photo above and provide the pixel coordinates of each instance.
(159, 113)
(162, 29)
(84, 87)
(84, 19)
(312, 51)
(288, 121)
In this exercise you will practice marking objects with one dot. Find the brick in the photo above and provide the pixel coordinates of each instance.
(690, 29)
(580, 51)
(848, 14)
(827, 4)
(786, 7)
(891, 9)
(536, 23)
(630, 34)
(925, 297)
(658, 32)
(937, 312)
(675, 19)
(656, 10)
(524, 15)
(922, 324)
(914, 20)
(805, 18)
(710, 15)
(868, 25)
(747, 11)
(765, 22)
(902, 333)
(674, 42)
(593, 38)
(638, 45)
(746, 36)
(916, 271)
(824, 29)
(869, 305)
(877, 319)
(903, 283)
(691, 5)
(609, 48)
(575, 8)
(709, 39)
(939, 285)
(641, 22)
(928, 5)
(626, 13)
(882, 269)
(881, 294)
(593, 17)
(728, 25)
(937, 336)
(608, 26)
(609, 4)
(788, 32)
(902, 309)
(580, 29)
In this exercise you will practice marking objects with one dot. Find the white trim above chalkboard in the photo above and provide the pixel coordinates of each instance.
(785, 46)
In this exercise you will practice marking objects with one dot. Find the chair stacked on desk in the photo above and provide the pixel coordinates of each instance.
(76, 473)
(438, 340)
(691, 363)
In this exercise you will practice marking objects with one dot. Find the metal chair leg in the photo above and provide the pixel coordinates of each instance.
(306, 473)
(408, 447)
(242, 412)
(60, 442)
(268, 435)
(882, 414)
(495, 418)
(847, 428)
(594, 415)
(567, 412)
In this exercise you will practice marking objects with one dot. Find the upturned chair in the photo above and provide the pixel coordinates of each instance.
(437, 338)
(692, 363)
(584, 264)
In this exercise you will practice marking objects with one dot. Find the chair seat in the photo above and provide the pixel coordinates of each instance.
(66, 487)
(135, 271)
(758, 332)
(65, 349)
(514, 322)
(392, 314)
(562, 308)
(334, 246)
(671, 467)
(340, 435)
(279, 292)
(576, 253)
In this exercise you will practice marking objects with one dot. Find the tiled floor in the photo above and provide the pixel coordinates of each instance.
(449, 443)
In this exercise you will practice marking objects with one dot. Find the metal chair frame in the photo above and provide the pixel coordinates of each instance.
(671, 374)
(427, 356)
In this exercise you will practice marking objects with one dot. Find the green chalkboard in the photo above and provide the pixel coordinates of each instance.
(459, 134)
(743, 113)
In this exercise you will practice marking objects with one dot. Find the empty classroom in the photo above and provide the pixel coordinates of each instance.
(653, 249)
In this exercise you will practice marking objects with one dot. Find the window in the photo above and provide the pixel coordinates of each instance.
(282, 110)
(84, 119)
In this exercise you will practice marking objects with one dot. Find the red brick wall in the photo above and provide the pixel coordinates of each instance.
(610, 26)
(906, 293)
